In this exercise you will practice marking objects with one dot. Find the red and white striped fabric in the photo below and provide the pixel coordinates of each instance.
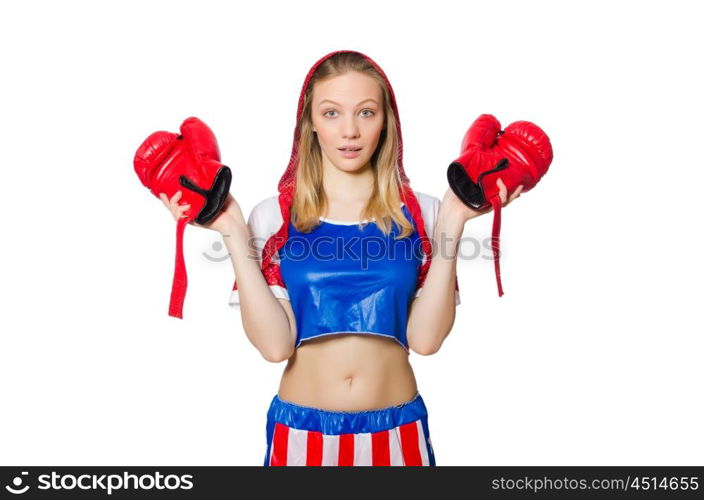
(402, 445)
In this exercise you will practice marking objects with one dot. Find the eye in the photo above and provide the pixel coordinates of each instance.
(333, 111)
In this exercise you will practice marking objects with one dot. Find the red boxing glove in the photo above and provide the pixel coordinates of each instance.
(167, 163)
(519, 155)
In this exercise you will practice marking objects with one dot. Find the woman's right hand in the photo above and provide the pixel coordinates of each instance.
(230, 210)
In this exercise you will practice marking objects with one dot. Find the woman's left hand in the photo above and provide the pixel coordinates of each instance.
(454, 205)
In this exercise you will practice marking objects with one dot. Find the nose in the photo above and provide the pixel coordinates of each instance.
(350, 128)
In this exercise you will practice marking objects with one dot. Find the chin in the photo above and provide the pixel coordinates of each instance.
(350, 167)
(353, 164)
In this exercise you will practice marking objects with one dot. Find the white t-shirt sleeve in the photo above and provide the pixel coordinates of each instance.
(264, 221)
(429, 208)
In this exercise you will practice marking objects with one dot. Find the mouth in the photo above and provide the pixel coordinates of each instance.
(350, 152)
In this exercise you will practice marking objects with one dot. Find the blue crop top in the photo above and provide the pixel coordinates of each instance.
(343, 278)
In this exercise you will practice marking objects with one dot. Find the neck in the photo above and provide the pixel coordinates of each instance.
(348, 187)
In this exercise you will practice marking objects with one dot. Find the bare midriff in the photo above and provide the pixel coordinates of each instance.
(348, 372)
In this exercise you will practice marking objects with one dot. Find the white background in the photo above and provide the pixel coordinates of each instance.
(592, 357)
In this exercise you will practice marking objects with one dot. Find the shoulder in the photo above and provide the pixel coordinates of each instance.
(265, 218)
(267, 207)
(266, 213)
(429, 208)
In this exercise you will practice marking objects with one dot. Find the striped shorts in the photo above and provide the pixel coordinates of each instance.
(303, 435)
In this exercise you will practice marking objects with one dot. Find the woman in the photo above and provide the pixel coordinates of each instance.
(346, 325)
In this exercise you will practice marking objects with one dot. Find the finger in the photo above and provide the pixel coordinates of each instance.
(515, 195)
(176, 197)
(175, 204)
(502, 190)
(502, 186)
(183, 208)
(179, 214)
(518, 192)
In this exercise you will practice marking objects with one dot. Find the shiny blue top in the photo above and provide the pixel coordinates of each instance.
(343, 279)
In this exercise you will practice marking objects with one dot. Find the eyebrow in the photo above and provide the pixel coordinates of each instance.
(338, 104)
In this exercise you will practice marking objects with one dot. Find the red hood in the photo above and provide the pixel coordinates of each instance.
(288, 180)
(287, 184)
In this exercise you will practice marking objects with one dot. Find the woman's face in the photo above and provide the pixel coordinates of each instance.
(347, 110)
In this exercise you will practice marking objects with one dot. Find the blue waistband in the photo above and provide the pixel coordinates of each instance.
(345, 422)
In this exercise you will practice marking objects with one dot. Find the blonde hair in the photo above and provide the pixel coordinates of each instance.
(309, 200)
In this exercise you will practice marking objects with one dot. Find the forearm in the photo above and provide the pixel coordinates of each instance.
(264, 320)
(433, 312)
